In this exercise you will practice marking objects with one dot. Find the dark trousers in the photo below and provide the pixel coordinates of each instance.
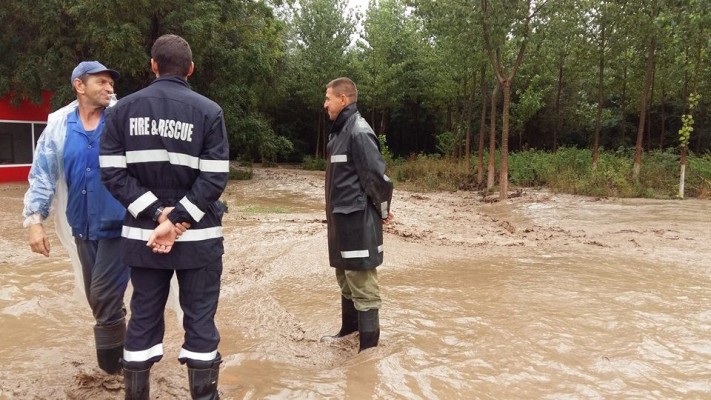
(199, 293)
(105, 279)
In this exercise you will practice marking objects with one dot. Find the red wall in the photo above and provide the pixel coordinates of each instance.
(24, 111)
(14, 173)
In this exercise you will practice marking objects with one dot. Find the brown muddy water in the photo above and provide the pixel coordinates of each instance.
(542, 297)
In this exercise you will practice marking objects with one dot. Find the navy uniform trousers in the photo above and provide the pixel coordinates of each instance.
(199, 294)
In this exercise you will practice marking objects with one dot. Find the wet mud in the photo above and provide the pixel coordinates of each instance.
(542, 296)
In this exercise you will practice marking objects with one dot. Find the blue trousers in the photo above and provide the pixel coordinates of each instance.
(199, 294)
(105, 279)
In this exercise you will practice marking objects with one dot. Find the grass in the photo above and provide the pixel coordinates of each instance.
(254, 209)
(569, 170)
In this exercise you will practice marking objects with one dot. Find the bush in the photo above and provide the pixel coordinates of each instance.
(570, 170)
(241, 173)
(428, 173)
(698, 176)
(314, 164)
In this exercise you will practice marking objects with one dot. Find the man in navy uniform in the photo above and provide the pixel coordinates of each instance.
(164, 156)
(358, 195)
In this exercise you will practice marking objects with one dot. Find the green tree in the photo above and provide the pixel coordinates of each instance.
(320, 36)
(236, 44)
(501, 26)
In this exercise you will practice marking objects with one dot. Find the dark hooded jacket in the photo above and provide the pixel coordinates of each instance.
(358, 193)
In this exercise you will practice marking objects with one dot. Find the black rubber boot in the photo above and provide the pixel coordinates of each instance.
(109, 346)
(349, 320)
(202, 376)
(136, 380)
(369, 329)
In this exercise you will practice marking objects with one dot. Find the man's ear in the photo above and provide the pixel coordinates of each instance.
(154, 68)
(76, 84)
(192, 68)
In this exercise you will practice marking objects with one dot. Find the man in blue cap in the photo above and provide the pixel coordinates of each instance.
(65, 168)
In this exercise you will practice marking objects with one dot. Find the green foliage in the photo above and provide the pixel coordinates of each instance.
(256, 140)
(241, 174)
(698, 176)
(236, 45)
(570, 171)
(321, 31)
(687, 120)
(447, 143)
(428, 173)
(266, 63)
(314, 164)
(530, 101)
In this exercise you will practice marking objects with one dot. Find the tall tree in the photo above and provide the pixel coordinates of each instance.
(236, 46)
(518, 28)
(698, 24)
(602, 45)
(388, 45)
(482, 127)
(644, 96)
(322, 31)
(491, 174)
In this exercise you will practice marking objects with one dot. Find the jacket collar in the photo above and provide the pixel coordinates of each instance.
(343, 117)
(172, 78)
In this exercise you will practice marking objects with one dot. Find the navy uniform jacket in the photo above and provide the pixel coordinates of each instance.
(166, 145)
(358, 193)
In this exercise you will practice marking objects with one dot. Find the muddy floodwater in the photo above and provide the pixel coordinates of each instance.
(544, 296)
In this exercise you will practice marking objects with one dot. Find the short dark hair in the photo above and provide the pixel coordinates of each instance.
(173, 55)
(344, 86)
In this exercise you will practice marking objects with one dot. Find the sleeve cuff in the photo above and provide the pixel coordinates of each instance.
(32, 220)
(177, 216)
(150, 211)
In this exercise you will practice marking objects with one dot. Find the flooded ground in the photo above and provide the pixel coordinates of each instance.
(544, 296)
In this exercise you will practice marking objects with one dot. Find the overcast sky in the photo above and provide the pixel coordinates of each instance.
(359, 4)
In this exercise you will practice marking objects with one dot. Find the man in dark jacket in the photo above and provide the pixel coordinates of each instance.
(164, 156)
(358, 195)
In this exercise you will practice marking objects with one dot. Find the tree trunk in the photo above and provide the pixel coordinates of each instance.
(697, 70)
(559, 91)
(600, 98)
(623, 103)
(383, 115)
(470, 121)
(505, 80)
(319, 123)
(417, 124)
(448, 120)
(482, 130)
(504, 173)
(324, 131)
(648, 126)
(663, 117)
(685, 149)
(643, 108)
(492, 140)
(682, 171)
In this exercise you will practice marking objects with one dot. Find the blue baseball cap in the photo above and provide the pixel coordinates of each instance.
(91, 67)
